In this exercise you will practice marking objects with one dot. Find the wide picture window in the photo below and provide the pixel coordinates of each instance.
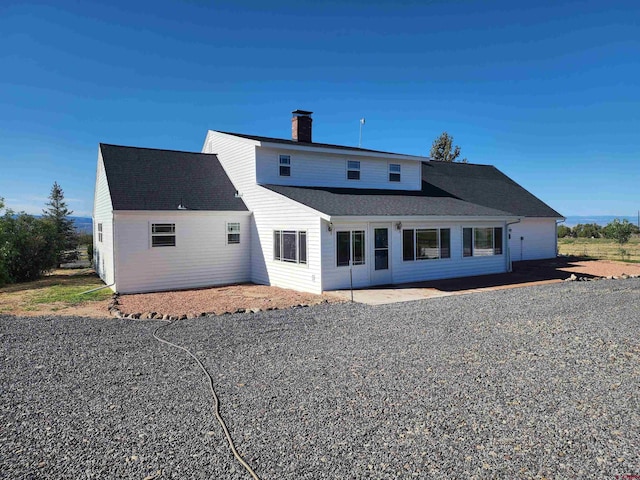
(290, 246)
(426, 243)
(481, 242)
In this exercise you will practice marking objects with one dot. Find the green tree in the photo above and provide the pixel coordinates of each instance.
(563, 231)
(443, 150)
(57, 214)
(587, 230)
(4, 272)
(620, 231)
(27, 247)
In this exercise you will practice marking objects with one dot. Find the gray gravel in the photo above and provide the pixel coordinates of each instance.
(525, 383)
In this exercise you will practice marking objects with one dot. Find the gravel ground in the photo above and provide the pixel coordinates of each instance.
(538, 382)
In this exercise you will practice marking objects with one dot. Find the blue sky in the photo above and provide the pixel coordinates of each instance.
(547, 91)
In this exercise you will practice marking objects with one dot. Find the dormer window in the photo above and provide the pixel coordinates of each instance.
(353, 170)
(285, 165)
(394, 172)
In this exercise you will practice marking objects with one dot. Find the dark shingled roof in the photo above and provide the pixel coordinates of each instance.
(308, 144)
(151, 179)
(364, 202)
(448, 189)
(483, 185)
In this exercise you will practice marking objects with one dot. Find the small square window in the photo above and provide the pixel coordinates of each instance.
(163, 234)
(285, 165)
(353, 170)
(394, 172)
(233, 233)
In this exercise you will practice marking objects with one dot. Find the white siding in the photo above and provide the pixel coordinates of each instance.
(408, 271)
(103, 254)
(271, 211)
(456, 266)
(330, 170)
(334, 277)
(533, 239)
(200, 258)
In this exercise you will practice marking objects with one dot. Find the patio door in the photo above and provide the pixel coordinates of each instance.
(381, 264)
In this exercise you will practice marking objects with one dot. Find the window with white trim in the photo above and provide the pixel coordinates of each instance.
(353, 170)
(163, 234)
(233, 233)
(426, 243)
(100, 232)
(350, 248)
(481, 242)
(394, 172)
(290, 246)
(285, 165)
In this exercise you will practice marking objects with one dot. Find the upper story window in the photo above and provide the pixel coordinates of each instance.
(394, 172)
(100, 232)
(353, 170)
(233, 233)
(163, 234)
(481, 242)
(285, 165)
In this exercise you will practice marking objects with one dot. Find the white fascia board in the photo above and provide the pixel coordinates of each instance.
(190, 213)
(290, 201)
(420, 218)
(246, 141)
(341, 151)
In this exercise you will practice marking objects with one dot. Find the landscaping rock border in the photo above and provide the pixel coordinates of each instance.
(114, 311)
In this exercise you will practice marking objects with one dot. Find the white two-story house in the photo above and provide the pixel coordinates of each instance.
(305, 215)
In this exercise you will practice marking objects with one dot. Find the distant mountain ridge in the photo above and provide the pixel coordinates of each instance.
(83, 224)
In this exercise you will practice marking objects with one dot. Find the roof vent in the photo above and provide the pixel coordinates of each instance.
(301, 126)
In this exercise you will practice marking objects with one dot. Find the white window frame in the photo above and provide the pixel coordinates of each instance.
(156, 234)
(100, 232)
(353, 166)
(352, 234)
(484, 252)
(414, 235)
(284, 161)
(393, 171)
(299, 236)
(231, 230)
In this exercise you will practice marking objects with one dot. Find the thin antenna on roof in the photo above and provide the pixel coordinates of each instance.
(362, 121)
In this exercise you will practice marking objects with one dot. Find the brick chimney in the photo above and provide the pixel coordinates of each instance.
(301, 126)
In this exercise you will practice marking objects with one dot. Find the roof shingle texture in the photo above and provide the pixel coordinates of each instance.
(151, 179)
(483, 185)
(368, 202)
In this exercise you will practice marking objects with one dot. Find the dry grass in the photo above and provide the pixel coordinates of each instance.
(59, 292)
(601, 248)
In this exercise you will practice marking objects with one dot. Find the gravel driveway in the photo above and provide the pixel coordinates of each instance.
(526, 383)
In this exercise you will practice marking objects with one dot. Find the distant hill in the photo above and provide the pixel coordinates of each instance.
(83, 224)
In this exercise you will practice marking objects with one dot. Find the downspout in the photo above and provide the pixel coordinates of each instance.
(509, 263)
(558, 222)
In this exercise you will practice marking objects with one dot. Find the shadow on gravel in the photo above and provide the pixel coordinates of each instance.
(523, 273)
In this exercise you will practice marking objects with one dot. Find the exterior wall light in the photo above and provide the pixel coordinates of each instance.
(398, 225)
